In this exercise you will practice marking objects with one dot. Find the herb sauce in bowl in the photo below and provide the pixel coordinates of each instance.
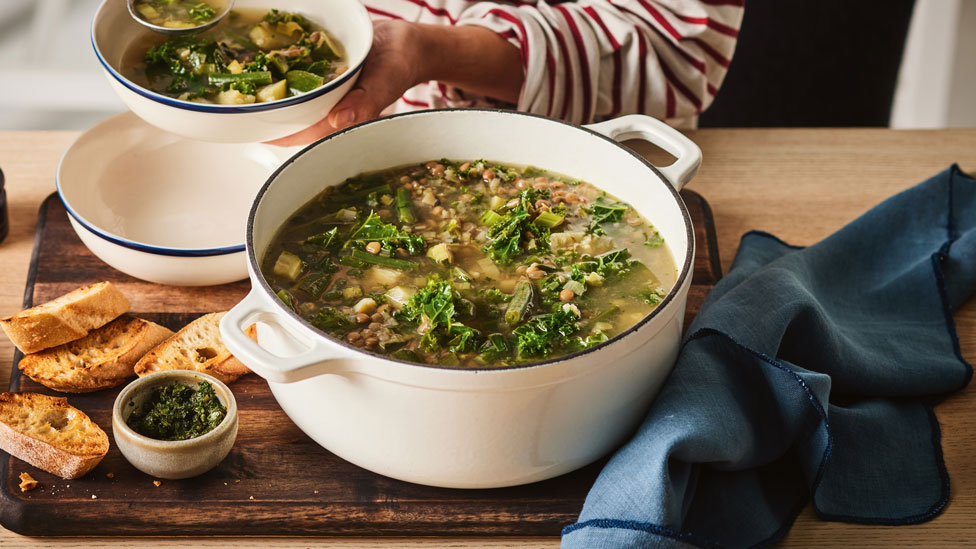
(178, 412)
(469, 264)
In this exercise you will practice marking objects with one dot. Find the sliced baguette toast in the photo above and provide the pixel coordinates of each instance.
(197, 346)
(50, 434)
(65, 318)
(102, 359)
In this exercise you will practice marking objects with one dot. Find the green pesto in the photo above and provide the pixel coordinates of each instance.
(178, 412)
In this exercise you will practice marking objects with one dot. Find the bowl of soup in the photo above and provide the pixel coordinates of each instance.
(469, 298)
(267, 70)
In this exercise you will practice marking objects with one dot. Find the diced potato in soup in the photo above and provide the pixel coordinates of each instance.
(469, 264)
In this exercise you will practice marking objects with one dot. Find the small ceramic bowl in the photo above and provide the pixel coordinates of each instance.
(162, 208)
(173, 459)
(115, 34)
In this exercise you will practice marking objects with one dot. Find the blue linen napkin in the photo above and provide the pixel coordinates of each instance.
(807, 371)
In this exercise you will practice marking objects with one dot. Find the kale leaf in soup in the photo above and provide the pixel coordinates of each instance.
(469, 264)
(250, 57)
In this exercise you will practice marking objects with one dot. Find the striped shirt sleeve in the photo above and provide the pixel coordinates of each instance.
(588, 60)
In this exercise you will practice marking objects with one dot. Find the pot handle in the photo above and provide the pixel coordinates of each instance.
(317, 357)
(652, 130)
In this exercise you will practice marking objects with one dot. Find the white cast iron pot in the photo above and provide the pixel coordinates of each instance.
(469, 428)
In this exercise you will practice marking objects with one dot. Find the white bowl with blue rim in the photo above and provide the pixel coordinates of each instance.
(117, 38)
(162, 208)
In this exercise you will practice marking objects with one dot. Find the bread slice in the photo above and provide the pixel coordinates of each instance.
(104, 358)
(50, 434)
(66, 318)
(197, 346)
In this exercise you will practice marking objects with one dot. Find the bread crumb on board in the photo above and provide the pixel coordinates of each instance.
(110, 475)
(27, 482)
(158, 482)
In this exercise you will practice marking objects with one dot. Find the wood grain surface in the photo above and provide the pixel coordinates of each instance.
(798, 184)
(288, 483)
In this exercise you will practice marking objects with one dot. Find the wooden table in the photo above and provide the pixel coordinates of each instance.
(800, 185)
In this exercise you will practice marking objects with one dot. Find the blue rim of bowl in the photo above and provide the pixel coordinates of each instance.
(221, 109)
(131, 244)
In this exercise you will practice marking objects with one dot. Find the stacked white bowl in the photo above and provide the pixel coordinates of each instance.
(162, 193)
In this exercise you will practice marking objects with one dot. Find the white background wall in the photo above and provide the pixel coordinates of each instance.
(962, 92)
(50, 79)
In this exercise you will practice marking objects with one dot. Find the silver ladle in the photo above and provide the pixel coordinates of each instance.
(131, 4)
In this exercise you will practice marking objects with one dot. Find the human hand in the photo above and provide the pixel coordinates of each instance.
(390, 69)
(405, 54)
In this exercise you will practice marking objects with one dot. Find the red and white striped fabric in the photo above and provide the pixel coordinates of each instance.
(587, 60)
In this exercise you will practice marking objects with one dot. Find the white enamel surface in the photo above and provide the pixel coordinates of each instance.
(130, 181)
(162, 269)
(114, 31)
(484, 429)
(687, 155)
(454, 427)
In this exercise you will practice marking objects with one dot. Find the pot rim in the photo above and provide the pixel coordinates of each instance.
(680, 282)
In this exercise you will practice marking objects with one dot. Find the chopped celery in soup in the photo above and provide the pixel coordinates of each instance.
(250, 57)
(469, 264)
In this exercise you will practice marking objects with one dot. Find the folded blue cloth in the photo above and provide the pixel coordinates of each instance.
(808, 372)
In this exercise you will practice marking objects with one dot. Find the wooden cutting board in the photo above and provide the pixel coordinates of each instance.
(276, 480)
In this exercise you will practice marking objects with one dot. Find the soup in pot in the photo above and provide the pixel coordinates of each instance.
(469, 264)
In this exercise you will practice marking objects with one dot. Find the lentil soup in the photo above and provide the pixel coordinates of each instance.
(469, 264)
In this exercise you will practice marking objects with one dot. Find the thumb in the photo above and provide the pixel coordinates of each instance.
(378, 86)
(362, 103)
(357, 106)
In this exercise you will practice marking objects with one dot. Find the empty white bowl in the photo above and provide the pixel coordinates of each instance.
(114, 33)
(162, 208)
